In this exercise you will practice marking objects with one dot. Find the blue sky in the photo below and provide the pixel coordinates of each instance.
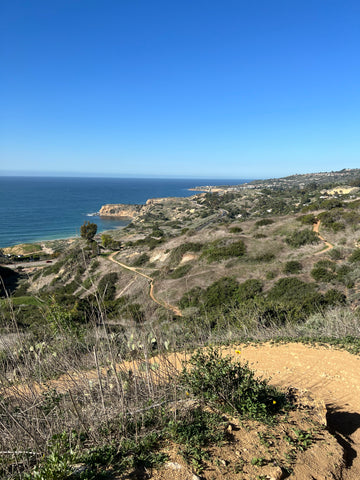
(241, 89)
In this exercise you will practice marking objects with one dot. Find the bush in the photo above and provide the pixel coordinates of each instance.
(293, 300)
(192, 298)
(333, 297)
(263, 222)
(302, 237)
(292, 266)
(217, 250)
(308, 219)
(355, 256)
(332, 219)
(107, 286)
(264, 257)
(322, 274)
(181, 271)
(230, 386)
(331, 203)
(135, 312)
(249, 289)
(141, 260)
(291, 289)
(178, 252)
(109, 242)
(221, 293)
(235, 229)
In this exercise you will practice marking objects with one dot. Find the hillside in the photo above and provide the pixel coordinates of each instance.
(279, 261)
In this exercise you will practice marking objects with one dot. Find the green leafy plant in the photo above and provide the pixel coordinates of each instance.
(231, 386)
(292, 266)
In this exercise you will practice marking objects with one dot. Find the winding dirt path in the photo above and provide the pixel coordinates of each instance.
(329, 246)
(328, 374)
(164, 304)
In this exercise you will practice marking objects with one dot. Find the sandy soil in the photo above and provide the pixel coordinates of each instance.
(331, 375)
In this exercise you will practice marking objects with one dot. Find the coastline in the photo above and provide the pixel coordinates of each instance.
(41, 212)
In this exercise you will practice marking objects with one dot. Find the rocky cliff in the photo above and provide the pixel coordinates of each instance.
(120, 210)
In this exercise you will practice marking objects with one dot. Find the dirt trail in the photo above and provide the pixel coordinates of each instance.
(329, 246)
(328, 374)
(164, 304)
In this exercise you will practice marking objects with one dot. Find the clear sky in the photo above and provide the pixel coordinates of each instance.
(230, 88)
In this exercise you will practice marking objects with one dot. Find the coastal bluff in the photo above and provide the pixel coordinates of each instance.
(132, 211)
(120, 210)
(171, 207)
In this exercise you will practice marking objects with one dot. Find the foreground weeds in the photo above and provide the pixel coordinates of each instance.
(102, 402)
(119, 418)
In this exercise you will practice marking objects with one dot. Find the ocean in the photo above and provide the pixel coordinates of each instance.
(47, 208)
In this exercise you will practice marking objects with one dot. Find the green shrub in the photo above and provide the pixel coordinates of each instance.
(326, 264)
(331, 203)
(178, 252)
(249, 289)
(332, 219)
(264, 257)
(355, 256)
(259, 235)
(334, 297)
(235, 229)
(308, 219)
(197, 428)
(291, 289)
(219, 250)
(181, 271)
(135, 312)
(141, 260)
(109, 242)
(302, 237)
(230, 386)
(322, 274)
(192, 298)
(220, 293)
(292, 266)
(107, 286)
(335, 254)
(292, 300)
(263, 222)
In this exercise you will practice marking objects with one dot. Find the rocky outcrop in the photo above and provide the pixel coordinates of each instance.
(158, 201)
(120, 210)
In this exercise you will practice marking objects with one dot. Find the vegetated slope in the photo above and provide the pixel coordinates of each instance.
(238, 265)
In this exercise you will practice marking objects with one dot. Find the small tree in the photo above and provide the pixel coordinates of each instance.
(88, 231)
(108, 242)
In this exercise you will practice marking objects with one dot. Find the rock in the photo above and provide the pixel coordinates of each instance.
(173, 465)
(120, 210)
(275, 473)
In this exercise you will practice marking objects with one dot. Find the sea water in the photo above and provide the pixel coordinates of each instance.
(47, 208)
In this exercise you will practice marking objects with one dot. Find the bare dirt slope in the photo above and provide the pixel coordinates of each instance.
(331, 375)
